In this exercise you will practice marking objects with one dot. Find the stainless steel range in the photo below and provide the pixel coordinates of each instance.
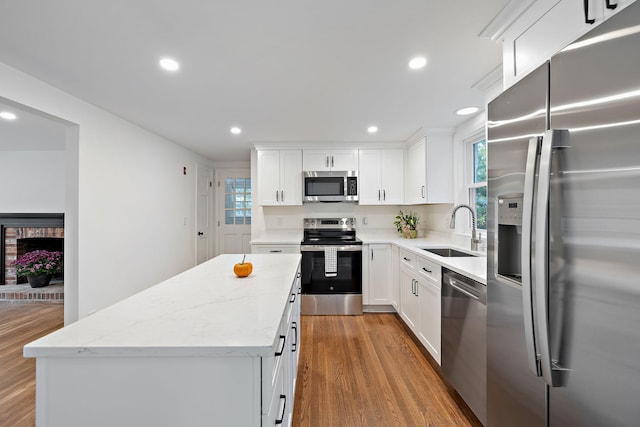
(331, 267)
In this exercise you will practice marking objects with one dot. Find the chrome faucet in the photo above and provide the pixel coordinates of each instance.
(475, 240)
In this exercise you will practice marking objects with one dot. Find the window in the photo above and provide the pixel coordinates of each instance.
(477, 181)
(237, 201)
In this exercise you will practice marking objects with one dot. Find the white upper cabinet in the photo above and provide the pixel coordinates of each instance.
(429, 171)
(381, 177)
(330, 160)
(280, 177)
(545, 28)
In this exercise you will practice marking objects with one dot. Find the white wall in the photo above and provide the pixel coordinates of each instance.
(128, 200)
(32, 181)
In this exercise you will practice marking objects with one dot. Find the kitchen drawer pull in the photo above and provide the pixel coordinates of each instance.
(294, 345)
(428, 271)
(293, 298)
(406, 259)
(275, 251)
(281, 346)
(283, 400)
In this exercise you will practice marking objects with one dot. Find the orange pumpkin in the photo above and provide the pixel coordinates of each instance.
(243, 269)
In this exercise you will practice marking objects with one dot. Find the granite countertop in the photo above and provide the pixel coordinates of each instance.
(204, 311)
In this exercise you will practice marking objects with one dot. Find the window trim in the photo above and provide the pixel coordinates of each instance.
(470, 185)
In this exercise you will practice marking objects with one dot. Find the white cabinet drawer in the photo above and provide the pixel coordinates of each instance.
(275, 249)
(407, 258)
(430, 270)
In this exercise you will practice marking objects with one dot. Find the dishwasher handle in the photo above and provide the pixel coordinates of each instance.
(468, 289)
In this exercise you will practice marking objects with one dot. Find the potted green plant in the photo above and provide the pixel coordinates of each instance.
(39, 267)
(406, 224)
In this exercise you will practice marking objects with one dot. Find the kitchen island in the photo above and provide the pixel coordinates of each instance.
(201, 348)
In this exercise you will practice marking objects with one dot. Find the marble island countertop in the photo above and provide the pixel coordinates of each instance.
(203, 311)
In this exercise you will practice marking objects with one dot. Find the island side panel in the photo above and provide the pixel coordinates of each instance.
(141, 391)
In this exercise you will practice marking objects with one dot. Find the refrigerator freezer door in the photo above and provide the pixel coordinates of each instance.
(595, 294)
(515, 396)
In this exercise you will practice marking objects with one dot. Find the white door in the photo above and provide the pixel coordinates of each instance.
(204, 199)
(234, 212)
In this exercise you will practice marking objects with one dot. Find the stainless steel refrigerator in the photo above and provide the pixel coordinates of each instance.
(563, 261)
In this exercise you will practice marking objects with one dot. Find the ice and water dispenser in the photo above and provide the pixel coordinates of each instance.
(509, 263)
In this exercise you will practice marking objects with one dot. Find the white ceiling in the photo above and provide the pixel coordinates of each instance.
(30, 131)
(283, 70)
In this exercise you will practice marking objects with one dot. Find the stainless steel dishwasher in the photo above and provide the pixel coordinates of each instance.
(464, 337)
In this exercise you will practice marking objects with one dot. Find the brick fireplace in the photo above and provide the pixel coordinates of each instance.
(21, 233)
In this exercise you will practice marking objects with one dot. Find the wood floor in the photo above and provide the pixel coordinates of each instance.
(19, 325)
(354, 371)
(368, 371)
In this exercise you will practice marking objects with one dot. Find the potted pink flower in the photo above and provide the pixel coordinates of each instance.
(39, 267)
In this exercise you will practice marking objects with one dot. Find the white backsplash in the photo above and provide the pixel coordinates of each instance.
(369, 218)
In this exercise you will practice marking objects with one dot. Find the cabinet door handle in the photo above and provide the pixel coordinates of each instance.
(283, 400)
(282, 195)
(417, 288)
(413, 282)
(611, 5)
(281, 346)
(293, 298)
(326, 161)
(428, 271)
(587, 15)
(294, 345)
(277, 196)
(422, 192)
(384, 194)
(331, 161)
(371, 254)
(378, 195)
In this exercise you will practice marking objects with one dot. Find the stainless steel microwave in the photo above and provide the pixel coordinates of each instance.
(334, 186)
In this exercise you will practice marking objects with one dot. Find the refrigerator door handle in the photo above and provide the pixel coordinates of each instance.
(527, 228)
(550, 372)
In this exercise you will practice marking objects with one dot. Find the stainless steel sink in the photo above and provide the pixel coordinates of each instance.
(447, 252)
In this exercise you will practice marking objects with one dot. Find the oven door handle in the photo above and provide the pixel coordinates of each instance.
(321, 248)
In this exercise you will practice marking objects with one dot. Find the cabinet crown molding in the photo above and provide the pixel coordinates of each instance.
(504, 19)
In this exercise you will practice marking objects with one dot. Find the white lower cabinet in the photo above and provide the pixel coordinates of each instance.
(379, 287)
(274, 249)
(408, 298)
(420, 295)
(279, 371)
(429, 318)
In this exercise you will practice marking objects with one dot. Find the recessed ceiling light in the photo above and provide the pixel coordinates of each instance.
(8, 115)
(466, 111)
(169, 64)
(236, 130)
(372, 129)
(417, 62)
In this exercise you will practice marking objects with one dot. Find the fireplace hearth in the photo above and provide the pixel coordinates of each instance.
(21, 233)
